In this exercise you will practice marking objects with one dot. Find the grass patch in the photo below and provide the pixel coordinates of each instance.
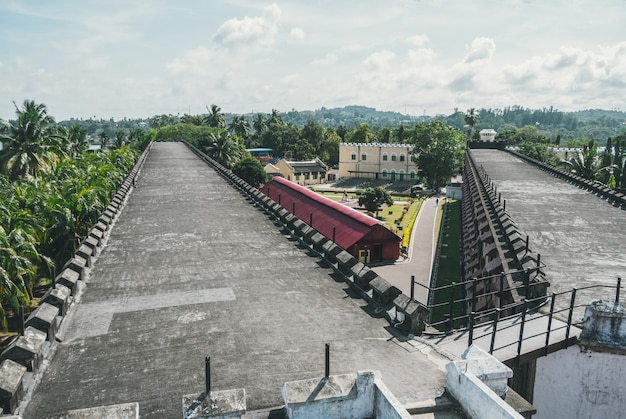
(449, 269)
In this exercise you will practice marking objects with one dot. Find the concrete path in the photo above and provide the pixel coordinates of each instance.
(421, 252)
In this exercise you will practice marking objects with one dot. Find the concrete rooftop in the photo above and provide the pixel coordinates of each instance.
(190, 270)
(581, 238)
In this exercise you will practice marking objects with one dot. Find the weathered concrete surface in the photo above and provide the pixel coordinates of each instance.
(581, 238)
(191, 269)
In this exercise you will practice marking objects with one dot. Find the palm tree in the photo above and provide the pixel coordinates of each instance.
(215, 118)
(223, 149)
(471, 118)
(240, 126)
(104, 140)
(77, 140)
(120, 139)
(275, 118)
(259, 124)
(27, 145)
(587, 164)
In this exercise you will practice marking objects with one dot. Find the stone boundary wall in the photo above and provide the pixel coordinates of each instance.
(401, 312)
(20, 362)
(492, 245)
(615, 198)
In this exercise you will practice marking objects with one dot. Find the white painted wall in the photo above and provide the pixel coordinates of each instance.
(575, 384)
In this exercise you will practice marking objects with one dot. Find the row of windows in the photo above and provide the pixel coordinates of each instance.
(401, 174)
(307, 176)
(384, 156)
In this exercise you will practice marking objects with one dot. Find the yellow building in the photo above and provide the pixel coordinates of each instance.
(376, 161)
(311, 172)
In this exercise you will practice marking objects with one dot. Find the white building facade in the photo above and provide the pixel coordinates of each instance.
(376, 161)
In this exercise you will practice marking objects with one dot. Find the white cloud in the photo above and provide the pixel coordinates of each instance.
(418, 40)
(195, 62)
(328, 59)
(297, 34)
(250, 31)
(379, 60)
(480, 49)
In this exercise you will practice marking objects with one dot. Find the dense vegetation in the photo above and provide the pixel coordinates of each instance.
(52, 191)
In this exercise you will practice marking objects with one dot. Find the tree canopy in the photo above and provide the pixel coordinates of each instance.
(373, 198)
(438, 152)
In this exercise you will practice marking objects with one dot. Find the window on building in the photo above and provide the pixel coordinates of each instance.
(306, 176)
(412, 174)
(353, 156)
(385, 157)
(393, 157)
(384, 173)
(314, 175)
(401, 157)
(297, 177)
(363, 156)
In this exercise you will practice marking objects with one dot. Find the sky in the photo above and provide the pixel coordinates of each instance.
(137, 59)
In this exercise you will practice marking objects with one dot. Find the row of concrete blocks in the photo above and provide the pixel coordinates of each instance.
(617, 199)
(383, 294)
(524, 259)
(26, 352)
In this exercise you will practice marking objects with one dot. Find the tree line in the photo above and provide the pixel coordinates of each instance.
(52, 191)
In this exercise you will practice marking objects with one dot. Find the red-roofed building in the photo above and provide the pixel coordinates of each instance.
(350, 229)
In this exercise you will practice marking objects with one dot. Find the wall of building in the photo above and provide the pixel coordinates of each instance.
(575, 383)
(376, 161)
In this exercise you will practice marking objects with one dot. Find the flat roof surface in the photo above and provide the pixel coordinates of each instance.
(191, 269)
(581, 237)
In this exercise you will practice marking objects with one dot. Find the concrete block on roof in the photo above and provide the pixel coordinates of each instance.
(68, 278)
(101, 226)
(85, 252)
(304, 230)
(77, 264)
(318, 240)
(44, 318)
(414, 314)
(25, 350)
(364, 277)
(58, 297)
(109, 213)
(11, 389)
(346, 261)
(224, 404)
(383, 292)
(331, 250)
(296, 224)
(91, 242)
(488, 369)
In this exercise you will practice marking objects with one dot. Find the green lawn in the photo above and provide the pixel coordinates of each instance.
(398, 218)
(449, 263)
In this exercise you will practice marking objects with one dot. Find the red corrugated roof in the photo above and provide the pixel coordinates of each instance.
(350, 225)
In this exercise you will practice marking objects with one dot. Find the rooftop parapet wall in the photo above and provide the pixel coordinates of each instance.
(493, 245)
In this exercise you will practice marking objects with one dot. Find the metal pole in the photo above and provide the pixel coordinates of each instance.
(501, 290)
(412, 287)
(569, 316)
(293, 208)
(493, 333)
(334, 235)
(311, 219)
(474, 284)
(327, 363)
(619, 285)
(470, 338)
(451, 308)
(545, 349)
(21, 310)
(207, 374)
(521, 332)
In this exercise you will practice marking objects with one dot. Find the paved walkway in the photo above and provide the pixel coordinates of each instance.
(421, 251)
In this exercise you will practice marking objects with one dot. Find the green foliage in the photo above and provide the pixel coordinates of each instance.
(373, 198)
(250, 170)
(438, 152)
(539, 151)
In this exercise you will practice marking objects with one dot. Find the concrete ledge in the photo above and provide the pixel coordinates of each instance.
(101, 226)
(78, 265)
(11, 389)
(415, 314)
(346, 261)
(364, 277)
(68, 278)
(383, 292)
(118, 411)
(219, 404)
(96, 234)
(318, 240)
(92, 243)
(331, 250)
(44, 318)
(85, 252)
(26, 349)
(58, 297)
